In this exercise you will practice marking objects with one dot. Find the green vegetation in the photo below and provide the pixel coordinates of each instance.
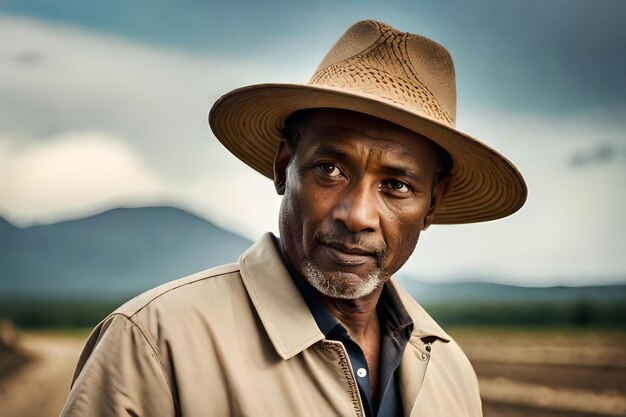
(72, 314)
(77, 314)
(576, 313)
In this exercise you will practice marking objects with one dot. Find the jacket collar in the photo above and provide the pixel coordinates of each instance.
(284, 313)
(282, 310)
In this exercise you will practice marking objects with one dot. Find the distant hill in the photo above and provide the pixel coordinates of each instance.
(73, 273)
(480, 292)
(117, 253)
(125, 251)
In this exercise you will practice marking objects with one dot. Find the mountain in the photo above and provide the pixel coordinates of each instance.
(480, 292)
(125, 251)
(117, 253)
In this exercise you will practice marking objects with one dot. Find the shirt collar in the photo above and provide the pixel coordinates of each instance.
(390, 307)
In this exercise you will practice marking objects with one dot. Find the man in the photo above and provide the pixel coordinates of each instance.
(311, 324)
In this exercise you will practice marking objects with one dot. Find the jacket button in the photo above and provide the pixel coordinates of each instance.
(427, 348)
(361, 372)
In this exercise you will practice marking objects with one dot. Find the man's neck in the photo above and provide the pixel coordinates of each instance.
(357, 316)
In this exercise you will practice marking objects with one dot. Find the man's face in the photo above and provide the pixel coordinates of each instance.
(357, 193)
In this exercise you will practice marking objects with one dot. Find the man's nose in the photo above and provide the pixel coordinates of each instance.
(357, 209)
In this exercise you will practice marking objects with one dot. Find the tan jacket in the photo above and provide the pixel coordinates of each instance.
(239, 340)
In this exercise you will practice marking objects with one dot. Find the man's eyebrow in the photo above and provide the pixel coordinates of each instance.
(325, 149)
(399, 171)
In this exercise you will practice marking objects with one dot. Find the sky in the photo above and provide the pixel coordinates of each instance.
(104, 105)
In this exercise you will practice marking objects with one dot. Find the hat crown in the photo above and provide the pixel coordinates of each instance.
(408, 70)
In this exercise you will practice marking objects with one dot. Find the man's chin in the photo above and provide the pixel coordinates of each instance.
(340, 284)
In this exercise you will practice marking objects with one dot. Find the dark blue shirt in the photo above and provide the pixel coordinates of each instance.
(396, 327)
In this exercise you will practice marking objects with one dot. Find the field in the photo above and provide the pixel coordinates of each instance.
(540, 373)
(548, 373)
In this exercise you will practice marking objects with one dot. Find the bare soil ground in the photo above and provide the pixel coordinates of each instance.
(521, 373)
(548, 373)
(496, 409)
(40, 386)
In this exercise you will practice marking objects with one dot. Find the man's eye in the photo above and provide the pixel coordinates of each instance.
(398, 186)
(330, 169)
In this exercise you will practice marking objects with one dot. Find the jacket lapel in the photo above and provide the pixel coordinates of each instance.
(416, 357)
(284, 314)
(412, 372)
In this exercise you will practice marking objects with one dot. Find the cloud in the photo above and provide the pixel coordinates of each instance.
(602, 153)
(556, 57)
(27, 58)
(157, 99)
(70, 175)
(153, 101)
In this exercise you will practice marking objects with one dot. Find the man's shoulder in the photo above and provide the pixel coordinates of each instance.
(188, 289)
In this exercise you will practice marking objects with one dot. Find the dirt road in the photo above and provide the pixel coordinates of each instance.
(40, 387)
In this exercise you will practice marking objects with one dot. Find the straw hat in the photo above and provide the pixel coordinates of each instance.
(400, 77)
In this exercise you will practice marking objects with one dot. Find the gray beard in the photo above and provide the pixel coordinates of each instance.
(333, 285)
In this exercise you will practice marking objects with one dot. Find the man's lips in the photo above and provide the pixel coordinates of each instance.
(350, 256)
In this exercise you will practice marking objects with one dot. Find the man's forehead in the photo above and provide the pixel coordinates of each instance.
(338, 119)
(343, 128)
(346, 146)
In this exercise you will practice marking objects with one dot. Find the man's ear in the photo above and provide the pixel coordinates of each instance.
(281, 162)
(438, 195)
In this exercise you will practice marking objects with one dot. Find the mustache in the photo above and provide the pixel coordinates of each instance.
(353, 240)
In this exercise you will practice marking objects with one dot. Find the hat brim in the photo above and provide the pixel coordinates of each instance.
(484, 184)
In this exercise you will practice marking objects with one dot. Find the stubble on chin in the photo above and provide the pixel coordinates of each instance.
(336, 285)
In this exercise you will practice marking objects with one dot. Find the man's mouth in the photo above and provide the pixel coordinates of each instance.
(346, 255)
